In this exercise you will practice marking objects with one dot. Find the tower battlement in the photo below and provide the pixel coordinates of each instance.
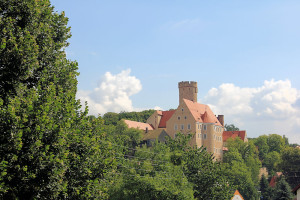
(187, 84)
(188, 90)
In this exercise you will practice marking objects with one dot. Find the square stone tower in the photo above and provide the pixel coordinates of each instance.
(187, 90)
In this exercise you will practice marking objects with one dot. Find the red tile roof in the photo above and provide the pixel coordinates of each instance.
(166, 115)
(202, 113)
(273, 180)
(234, 134)
(138, 125)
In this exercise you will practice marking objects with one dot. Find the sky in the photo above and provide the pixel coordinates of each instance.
(243, 54)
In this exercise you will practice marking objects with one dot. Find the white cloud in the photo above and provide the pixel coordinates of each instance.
(271, 108)
(112, 93)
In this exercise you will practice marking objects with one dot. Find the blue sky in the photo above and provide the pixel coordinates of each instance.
(132, 54)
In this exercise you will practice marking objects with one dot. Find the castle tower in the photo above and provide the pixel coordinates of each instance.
(188, 90)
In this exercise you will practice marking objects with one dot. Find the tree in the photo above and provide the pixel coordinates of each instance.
(283, 190)
(272, 160)
(243, 166)
(262, 144)
(265, 189)
(275, 143)
(290, 165)
(49, 148)
(150, 174)
(231, 127)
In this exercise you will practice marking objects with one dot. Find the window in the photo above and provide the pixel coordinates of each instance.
(178, 118)
(214, 137)
(204, 136)
(204, 127)
(182, 126)
(189, 126)
(175, 127)
(184, 117)
(182, 109)
(199, 135)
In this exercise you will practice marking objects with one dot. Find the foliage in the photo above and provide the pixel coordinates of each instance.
(283, 190)
(114, 118)
(243, 165)
(150, 174)
(231, 127)
(49, 149)
(276, 143)
(262, 143)
(272, 161)
(266, 191)
(290, 165)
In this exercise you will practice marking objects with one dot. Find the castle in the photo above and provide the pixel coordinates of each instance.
(190, 117)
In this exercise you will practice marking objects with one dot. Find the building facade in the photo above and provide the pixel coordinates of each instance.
(191, 117)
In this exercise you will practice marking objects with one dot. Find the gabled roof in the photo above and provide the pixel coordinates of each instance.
(166, 115)
(154, 134)
(237, 196)
(138, 125)
(234, 134)
(201, 113)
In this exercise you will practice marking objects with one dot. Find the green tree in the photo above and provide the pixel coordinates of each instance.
(150, 174)
(262, 143)
(231, 127)
(275, 143)
(243, 165)
(272, 160)
(265, 189)
(49, 149)
(290, 165)
(283, 190)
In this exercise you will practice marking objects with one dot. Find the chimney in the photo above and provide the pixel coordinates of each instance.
(187, 90)
(221, 119)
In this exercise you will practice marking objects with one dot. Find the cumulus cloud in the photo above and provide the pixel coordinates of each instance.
(270, 108)
(112, 93)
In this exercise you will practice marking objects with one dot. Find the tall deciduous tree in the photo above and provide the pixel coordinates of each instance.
(48, 148)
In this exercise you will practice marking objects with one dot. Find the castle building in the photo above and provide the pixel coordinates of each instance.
(191, 117)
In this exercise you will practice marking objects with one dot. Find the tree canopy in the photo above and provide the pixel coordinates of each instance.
(48, 147)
